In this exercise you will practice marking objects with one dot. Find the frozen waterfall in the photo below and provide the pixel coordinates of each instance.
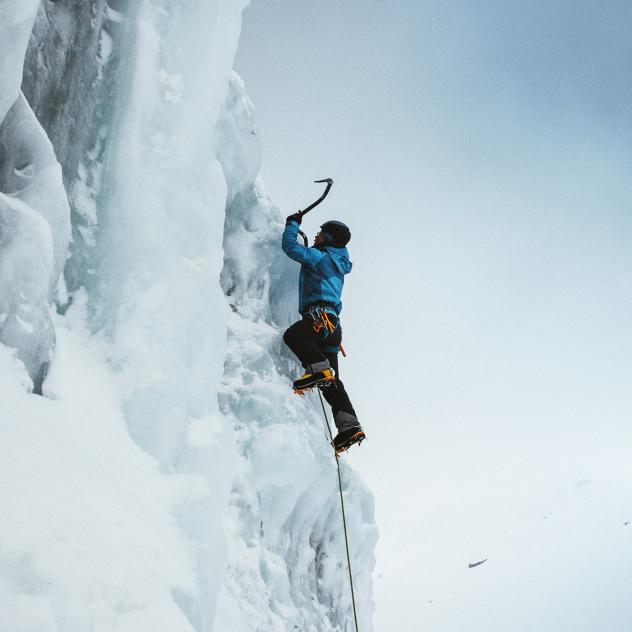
(34, 212)
(168, 480)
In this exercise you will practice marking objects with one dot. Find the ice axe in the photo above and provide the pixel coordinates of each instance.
(330, 183)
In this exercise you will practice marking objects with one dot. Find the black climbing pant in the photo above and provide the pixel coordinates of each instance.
(311, 347)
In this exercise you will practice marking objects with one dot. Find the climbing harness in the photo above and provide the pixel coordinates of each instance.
(344, 518)
(320, 319)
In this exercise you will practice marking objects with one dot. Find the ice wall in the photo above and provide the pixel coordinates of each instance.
(284, 524)
(71, 73)
(16, 22)
(34, 211)
(189, 489)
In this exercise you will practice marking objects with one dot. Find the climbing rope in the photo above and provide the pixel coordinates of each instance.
(344, 518)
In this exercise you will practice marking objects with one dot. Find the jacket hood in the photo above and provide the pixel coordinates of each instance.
(340, 257)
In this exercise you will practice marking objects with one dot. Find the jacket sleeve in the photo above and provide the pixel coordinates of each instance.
(294, 250)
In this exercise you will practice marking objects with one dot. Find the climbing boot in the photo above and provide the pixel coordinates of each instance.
(318, 374)
(346, 438)
(349, 431)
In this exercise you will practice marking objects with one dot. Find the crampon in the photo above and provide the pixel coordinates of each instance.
(345, 440)
(308, 381)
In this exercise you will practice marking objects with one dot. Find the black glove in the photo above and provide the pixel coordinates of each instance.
(296, 217)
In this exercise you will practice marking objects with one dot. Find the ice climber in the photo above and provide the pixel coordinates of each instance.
(316, 338)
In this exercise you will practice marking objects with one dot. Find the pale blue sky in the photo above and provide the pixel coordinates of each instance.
(482, 154)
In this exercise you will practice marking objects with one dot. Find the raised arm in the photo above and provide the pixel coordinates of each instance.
(294, 250)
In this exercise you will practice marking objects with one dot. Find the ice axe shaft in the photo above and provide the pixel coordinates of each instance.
(330, 183)
(304, 237)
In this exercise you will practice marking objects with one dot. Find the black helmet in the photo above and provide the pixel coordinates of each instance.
(336, 233)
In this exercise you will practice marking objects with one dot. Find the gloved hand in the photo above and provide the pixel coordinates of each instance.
(295, 217)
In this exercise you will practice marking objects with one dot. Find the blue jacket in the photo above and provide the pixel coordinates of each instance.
(322, 270)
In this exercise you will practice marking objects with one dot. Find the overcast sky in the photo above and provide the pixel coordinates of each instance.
(482, 156)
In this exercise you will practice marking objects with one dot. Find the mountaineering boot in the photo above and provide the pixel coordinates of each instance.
(349, 431)
(346, 438)
(317, 374)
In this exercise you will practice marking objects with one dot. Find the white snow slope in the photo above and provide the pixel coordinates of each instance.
(168, 479)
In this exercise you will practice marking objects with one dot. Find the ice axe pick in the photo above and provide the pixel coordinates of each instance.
(330, 183)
